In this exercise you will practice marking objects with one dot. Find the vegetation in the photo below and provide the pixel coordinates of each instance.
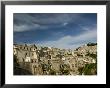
(91, 44)
(92, 55)
(89, 69)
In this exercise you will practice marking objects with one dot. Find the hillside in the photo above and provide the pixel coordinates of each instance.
(54, 61)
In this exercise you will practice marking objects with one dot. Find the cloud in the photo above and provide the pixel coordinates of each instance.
(26, 22)
(72, 41)
(82, 29)
(86, 27)
(65, 23)
(55, 18)
(24, 27)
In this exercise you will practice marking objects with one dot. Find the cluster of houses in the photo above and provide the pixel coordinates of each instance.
(50, 60)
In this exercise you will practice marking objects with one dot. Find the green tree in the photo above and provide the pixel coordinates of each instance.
(89, 69)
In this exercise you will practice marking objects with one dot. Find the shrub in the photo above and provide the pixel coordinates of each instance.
(90, 69)
(91, 44)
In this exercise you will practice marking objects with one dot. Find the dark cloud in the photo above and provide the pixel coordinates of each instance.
(55, 28)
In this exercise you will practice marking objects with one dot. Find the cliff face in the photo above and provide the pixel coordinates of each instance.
(54, 61)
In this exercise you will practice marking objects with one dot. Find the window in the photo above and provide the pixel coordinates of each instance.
(26, 53)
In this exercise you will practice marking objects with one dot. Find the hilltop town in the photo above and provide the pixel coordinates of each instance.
(34, 60)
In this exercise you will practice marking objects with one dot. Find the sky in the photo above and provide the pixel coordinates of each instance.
(60, 30)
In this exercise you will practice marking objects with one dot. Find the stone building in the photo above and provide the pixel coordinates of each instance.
(40, 60)
(27, 55)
